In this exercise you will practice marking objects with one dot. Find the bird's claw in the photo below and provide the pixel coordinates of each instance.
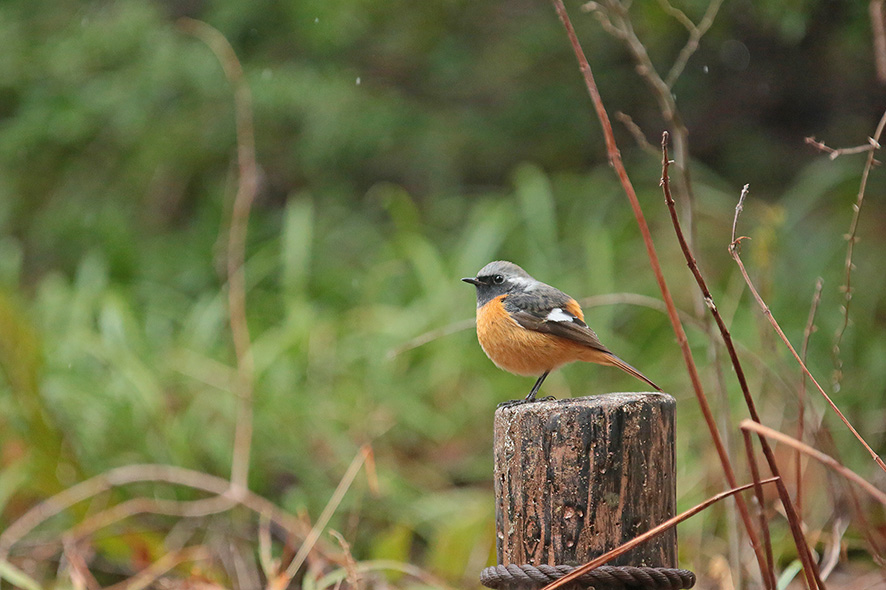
(513, 403)
(519, 402)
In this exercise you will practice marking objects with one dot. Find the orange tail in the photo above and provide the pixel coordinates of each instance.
(617, 362)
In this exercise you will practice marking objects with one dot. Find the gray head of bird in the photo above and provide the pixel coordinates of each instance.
(500, 277)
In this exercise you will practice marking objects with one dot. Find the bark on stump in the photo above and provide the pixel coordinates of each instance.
(577, 477)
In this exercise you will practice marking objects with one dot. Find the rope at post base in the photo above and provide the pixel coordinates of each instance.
(606, 577)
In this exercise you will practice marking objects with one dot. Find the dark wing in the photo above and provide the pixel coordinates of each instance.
(548, 311)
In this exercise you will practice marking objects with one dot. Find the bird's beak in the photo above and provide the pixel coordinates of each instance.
(471, 280)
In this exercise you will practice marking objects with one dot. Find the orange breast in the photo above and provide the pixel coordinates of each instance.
(518, 350)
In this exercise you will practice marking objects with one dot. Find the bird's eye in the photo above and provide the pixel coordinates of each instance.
(498, 279)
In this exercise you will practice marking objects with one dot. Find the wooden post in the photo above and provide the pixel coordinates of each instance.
(577, 477)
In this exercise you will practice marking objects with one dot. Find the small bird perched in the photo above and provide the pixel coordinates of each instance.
(527, 327)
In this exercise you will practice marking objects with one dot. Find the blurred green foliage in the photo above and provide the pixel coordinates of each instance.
(403, 145)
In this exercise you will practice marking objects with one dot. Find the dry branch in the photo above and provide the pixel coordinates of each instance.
(149, 575)
(768, 572)
(822, 458)
(801, 393)
(615, 18)
(246, 191)
(851, 238)
(809, 568)
(616, 162)
(671, 522)
(734, 249)
(364, 455)
(878, 27)
(147, 473)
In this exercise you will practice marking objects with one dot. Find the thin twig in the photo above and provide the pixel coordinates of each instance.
(801, 393)
(270, 566)
(363, 455)
(810, 570)
(236, 252)
(145, 473)
(615, 18)
(680, 334)
(135, 506)
(825, 441)
(834, 153)
(147, 576)
(424, 577)
(734, 250)
(822, 458)
(656, 530)
(678, 15)
(634, 129)
(696, 32)
(81, 577)
(851, 238)
(768, 572)
(350, 564)
(878, 28)
(793, 519)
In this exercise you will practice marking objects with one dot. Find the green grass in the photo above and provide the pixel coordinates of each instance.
(114, 340)
(103, 371)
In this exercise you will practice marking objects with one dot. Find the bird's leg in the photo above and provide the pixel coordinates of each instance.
(536, 387)
(529, 398)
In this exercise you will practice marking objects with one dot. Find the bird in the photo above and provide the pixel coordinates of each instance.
(530, 328)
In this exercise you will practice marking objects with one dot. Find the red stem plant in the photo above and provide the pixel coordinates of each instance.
(615, 160)
(809, 566)
(734, 250)
(812, 577)
(656, 530)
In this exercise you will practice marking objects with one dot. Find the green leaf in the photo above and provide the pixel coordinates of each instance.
(296, 242)
(535, 199)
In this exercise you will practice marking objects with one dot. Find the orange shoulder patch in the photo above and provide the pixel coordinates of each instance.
(575, 309)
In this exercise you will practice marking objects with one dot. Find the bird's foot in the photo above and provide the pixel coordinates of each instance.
(514, 402)
(519, 402)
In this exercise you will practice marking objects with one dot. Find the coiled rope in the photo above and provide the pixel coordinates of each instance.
(606, 577)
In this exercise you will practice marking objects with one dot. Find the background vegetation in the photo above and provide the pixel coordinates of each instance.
(402, 146)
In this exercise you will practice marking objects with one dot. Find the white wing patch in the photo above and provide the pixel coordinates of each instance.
(558, 315)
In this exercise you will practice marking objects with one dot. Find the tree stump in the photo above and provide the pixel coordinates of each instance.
(577, 477)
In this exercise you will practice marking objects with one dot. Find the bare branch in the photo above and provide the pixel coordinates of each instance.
(600, 12)
(878, 27)
(635, 130)
(734, 250)
(768, 572)
(822, 458)
(801, 393)
(793, 519)
(678, 15)
(246, 191)
(657, 530)
(149, 575)
(140, 473)
(834, 153)
(363, 455)
(680, 334)
(695, 35)
(851, 238)
(622, 28)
